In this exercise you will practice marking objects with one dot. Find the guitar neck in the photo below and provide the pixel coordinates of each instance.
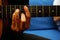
(36, 11)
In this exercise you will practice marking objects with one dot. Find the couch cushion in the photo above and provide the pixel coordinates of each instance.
(41, 2)
(42, 23)
(50, 34)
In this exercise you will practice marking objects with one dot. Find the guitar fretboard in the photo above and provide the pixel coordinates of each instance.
(36, 11)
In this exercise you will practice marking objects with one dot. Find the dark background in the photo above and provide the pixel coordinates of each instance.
(18, 2)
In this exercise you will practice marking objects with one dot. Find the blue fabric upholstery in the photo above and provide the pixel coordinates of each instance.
(42, 23)
(50, 34)
(41, 2)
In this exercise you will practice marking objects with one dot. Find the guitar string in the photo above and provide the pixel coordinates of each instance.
(32, 11)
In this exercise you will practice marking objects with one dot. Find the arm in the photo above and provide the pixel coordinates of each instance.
(0, 27)
(57, 20)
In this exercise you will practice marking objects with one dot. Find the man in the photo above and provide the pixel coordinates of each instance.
(18, 25)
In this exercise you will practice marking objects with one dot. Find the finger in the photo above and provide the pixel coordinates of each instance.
(23, 18)
(17, 20)
(23, 21)
(27, 11)
(13, 22)
(27, 17)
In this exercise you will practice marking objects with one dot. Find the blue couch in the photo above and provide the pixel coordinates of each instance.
(43, 26)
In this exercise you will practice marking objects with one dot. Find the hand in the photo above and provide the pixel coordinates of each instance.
(22, 22)
(56, 19)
